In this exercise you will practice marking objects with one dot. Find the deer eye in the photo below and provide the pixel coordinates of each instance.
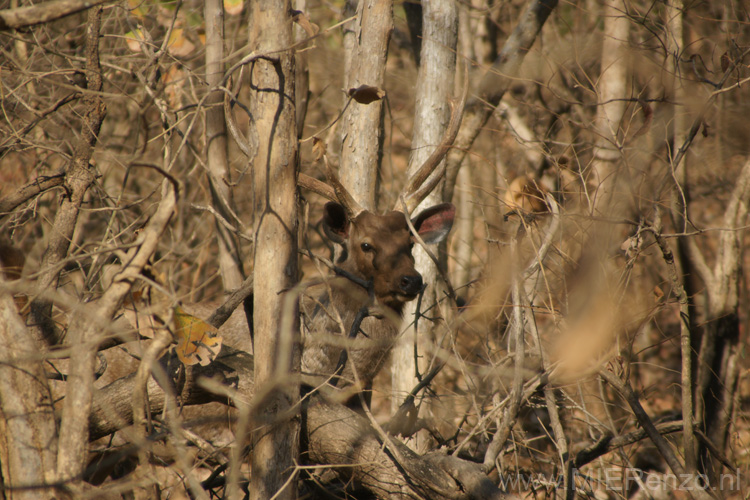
(366, 247)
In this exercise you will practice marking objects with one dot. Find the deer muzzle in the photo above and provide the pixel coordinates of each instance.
(411, 285)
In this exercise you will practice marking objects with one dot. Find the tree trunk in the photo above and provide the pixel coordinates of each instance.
(230, 262)
(362, 128)
(78, 178)
(680, 200)
(28, 434)
(432, 113)
(612, 89)
(275, 446)
(718, 359)
(334, 435)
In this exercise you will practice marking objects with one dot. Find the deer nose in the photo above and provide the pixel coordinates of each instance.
(411, 285)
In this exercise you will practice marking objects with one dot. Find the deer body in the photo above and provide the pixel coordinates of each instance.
(377, 253)
(380, 267)
(324, 340)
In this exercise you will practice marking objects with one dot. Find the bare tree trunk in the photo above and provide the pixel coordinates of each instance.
(464, 231)
(432, 113)
(84, 335)
(302, 73)
(28, 434)
(611, 92)
(275, 323)
(334, 434)
(362, 130)
(680, 200)
(78, 178)
(86, 325)
(718, 359)
(469, 46)
(230, 262)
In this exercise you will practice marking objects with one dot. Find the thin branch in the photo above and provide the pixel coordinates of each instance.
(608, 443)
(686, 378)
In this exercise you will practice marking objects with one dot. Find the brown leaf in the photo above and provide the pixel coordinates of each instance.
(319, 148)
(365, 94)
(174, 82)
(132, 39)
(197, 341)
(178, 44)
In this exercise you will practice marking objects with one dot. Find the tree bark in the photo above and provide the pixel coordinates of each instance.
(43, 13)
(28, 434)
(230, 261)
(83, 337)
(612, 89)
(78, 178)
(362, 129)
(680, 200)
(718, 359)
(276, 446)
(86, 323)
(432, 114)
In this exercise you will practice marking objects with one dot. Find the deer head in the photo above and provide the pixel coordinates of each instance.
(377, 247)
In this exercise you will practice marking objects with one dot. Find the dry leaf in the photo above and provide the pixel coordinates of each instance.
(365, 94)
(197, 341)
(319, 148)
(174, 81)
(133, 39)
(233, 7)
(526, 194)
(178, 44)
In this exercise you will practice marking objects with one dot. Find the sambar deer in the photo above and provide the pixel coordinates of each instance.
(350, 327)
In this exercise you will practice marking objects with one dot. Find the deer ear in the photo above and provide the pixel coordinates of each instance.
(335, 222)
(433, 224)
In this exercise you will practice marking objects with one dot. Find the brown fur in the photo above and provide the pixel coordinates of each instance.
(377, 248)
